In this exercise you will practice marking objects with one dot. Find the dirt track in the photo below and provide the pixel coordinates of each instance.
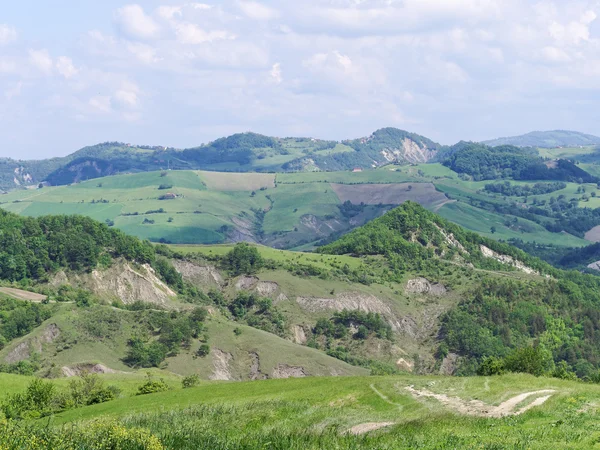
(480, 409)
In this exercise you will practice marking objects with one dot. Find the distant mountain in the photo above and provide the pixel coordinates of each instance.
(242, 152)
(547, 139)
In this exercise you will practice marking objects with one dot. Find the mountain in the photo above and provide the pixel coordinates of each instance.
(547, 139)
(243, 152)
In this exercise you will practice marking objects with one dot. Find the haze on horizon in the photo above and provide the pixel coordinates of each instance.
(180, 74)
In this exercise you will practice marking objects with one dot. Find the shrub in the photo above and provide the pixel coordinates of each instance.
(243, 259)
(531, 360)
(190, 381)
(203, 351)
(152, 386)
(491, 366)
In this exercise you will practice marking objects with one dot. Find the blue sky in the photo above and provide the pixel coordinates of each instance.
(74, 73)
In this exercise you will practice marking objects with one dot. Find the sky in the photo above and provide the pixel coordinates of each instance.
(166, 72)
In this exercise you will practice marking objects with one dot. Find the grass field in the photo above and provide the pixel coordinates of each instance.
(285, 210)
(319, 413)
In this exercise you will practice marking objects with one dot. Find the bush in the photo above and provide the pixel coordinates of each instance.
(203, 351)
(152, 386)
(190, 381)
(532, 360)
(491, 366)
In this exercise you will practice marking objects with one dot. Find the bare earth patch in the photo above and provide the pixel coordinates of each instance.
(81, 369)
(389, 194)
(220, 181)
(285, 371)
(23, 295)
(481, 409)
(369, 426)
(221, 361)
(593, 235)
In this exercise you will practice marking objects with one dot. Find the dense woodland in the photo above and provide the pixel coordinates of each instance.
(486, 163)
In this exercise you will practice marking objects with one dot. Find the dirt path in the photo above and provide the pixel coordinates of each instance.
(22, 295)
(481, 409)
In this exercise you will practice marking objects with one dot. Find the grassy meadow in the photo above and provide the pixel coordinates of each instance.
(285, 210)
(325, 413)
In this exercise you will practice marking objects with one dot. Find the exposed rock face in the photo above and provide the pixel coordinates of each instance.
(123, 282)
(245, 283)
(199, 275)
(405, 365)
(299, 335)
(221, 363)
(594, 265)
(449, 364)
(505, 259)
(423, 286)
(255, 373)
(81, 369)
(410, 151)
(23, 350)
(351, 301)
(267, 288)
(285, 371)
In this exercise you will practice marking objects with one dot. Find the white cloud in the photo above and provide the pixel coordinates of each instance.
(189, 33)
(8, 34)
(41, 60)
(276, 75)
(143, 52)
(134, 23)
(65, 67)
(7, 66)
(127, 96)
(555, 55)
(169, 12)
(101, 103)
(257, 11)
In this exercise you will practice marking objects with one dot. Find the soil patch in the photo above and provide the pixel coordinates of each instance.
(389, 194)
(285, 371)
(82, 369)
(593, 235)
(481, 409)
(221, 361)
(23, 295)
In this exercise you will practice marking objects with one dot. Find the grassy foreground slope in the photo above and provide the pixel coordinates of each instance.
(348, 413)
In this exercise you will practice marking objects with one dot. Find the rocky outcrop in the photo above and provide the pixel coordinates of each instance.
(199, 275)
(85, 368)
(221, 365)
(505, 259)
(423, 286)
(35, 344)
(122, 281)
(285, 371)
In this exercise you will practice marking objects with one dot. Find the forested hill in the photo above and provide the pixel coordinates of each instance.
(34, 248)
(546, 316)
(243, 152)
(486, 163)
(547, 139)
(410, 234)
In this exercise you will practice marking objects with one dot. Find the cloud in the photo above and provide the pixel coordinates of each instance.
(127, 96)
(8, 34)
(65, 67)
(257, 11)
(276, 75)
(41, 60)
(144, 53)
(132, 21)
(189, 33)
(101, 103)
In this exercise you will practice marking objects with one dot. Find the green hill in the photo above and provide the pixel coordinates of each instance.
(547, 139)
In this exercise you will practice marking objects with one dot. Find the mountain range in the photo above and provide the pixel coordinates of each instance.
(247, 152)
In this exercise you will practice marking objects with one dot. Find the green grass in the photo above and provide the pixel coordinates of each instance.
(283, 256)
(315, 413)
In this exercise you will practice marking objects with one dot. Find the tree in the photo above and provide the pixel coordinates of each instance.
(493, 230)
(243, 259)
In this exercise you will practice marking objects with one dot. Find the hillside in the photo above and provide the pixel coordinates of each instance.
(243, 152)
(301, 210)
(547, 139)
